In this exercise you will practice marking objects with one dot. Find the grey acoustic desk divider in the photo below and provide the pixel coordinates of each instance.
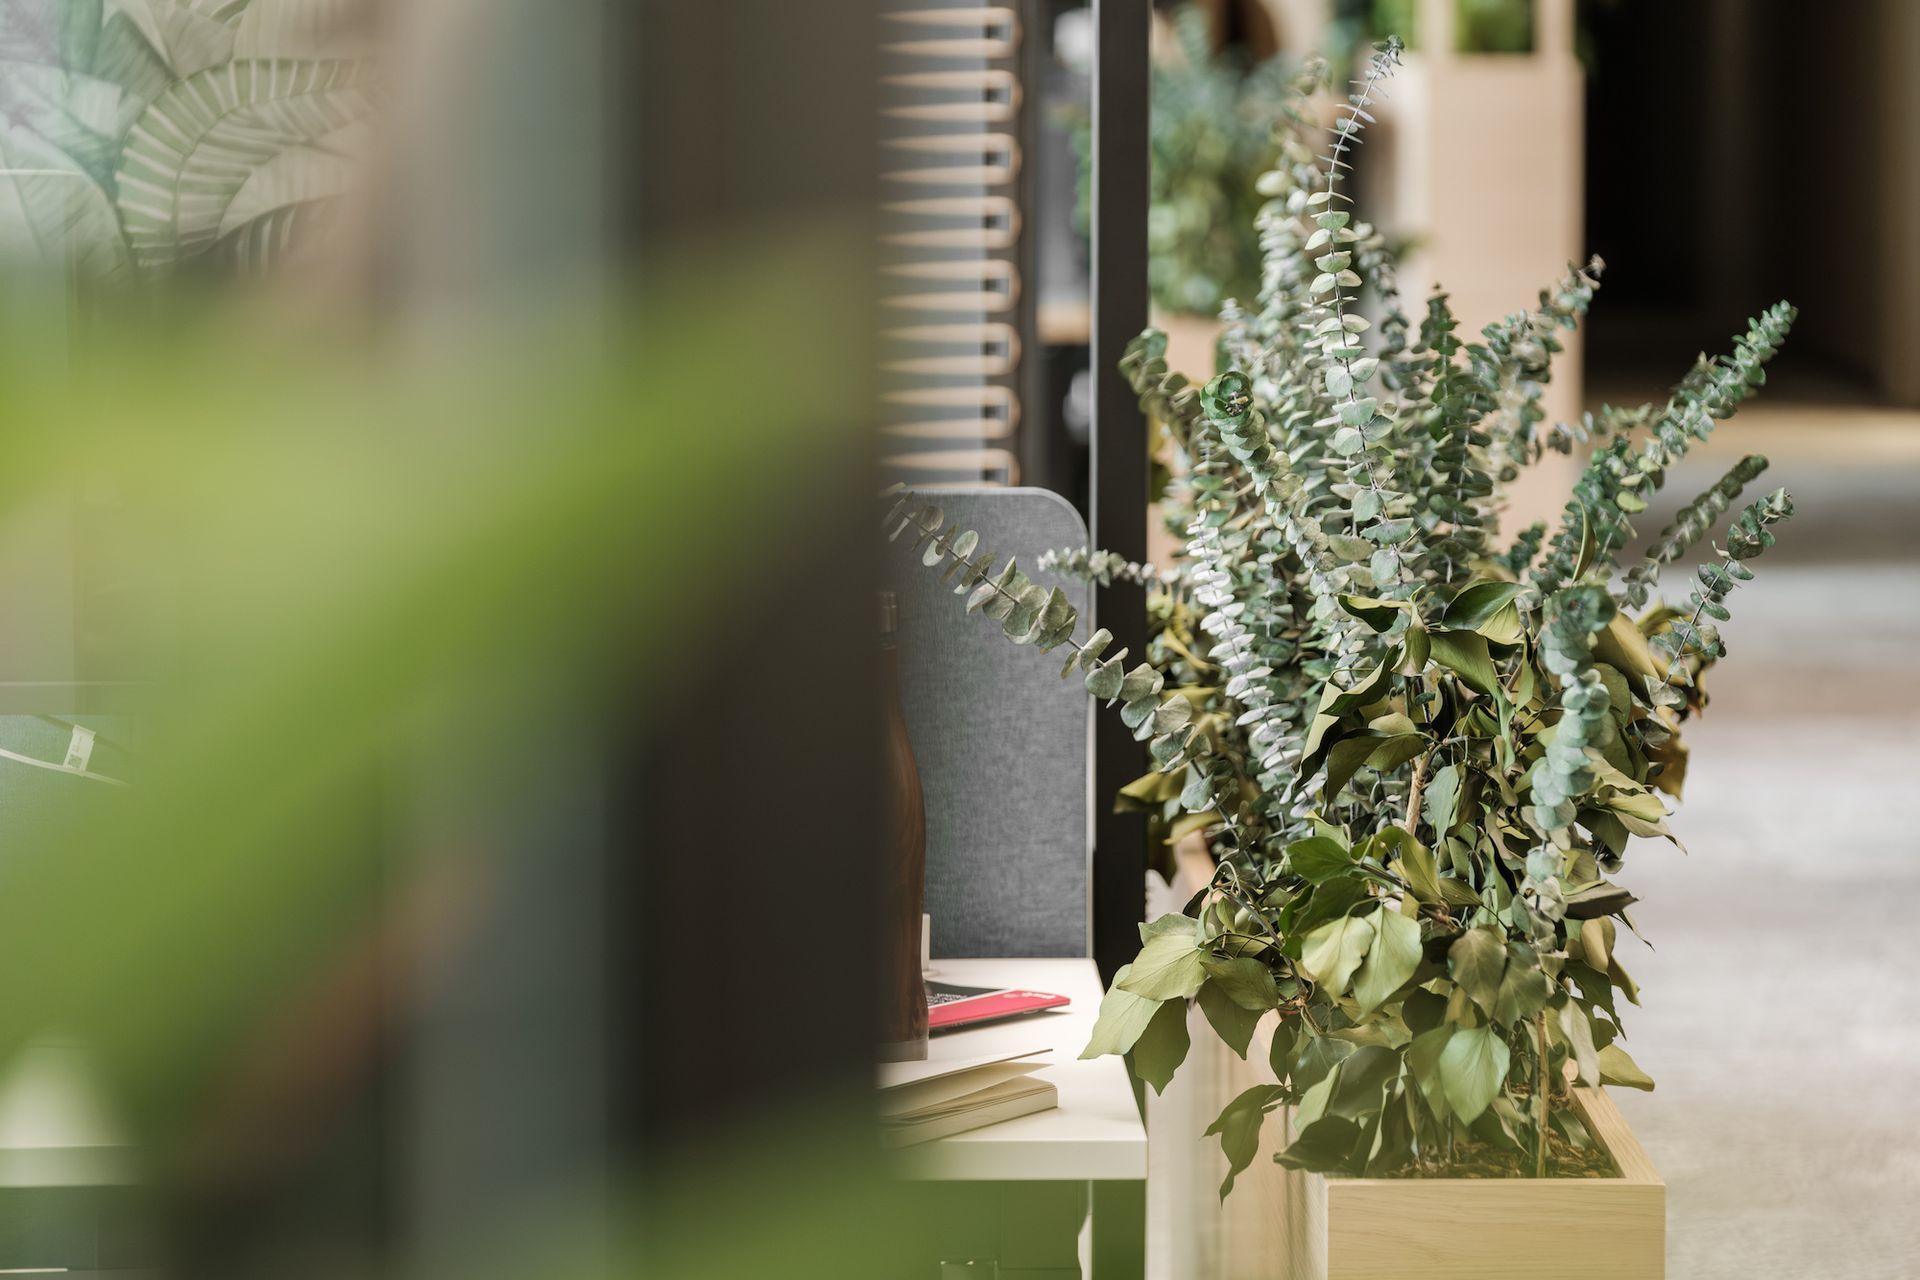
(1002, 743)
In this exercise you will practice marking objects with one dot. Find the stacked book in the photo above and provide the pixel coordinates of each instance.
(921, 1101)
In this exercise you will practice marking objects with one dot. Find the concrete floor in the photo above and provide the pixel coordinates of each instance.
(1782, 1016)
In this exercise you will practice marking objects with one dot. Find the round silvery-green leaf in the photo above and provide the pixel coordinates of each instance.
(1228, 397)
(1105, 681)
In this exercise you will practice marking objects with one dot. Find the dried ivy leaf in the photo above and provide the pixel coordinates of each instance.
(1162, 1047)
(1319, 858)
(1472, 1067)
(1391, 958)
(1376, 613)
(1579, 1033)
(1423, 1061)
(1168, 966)
(1477, 960)
(1327, 1144)
(1233, 1023)
(1245, 981)
(1373, 751)
(1331, 953)
(1239, 1128)
(1465, 654)
(1524, 989)
(1123, 1018)
(1442, 797)
(1616, 1067)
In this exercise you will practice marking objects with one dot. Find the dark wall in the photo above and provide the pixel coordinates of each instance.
(1743, 151)
(747, 817)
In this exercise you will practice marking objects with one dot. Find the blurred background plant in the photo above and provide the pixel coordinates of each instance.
(140, 133)
(1213, 121)
(1479, 26)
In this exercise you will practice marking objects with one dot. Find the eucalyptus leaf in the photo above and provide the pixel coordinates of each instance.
(1105, 680)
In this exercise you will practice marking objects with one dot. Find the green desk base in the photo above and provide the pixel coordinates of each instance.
(1031, 1229)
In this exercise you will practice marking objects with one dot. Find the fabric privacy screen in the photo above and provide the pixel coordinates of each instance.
(1001, 741)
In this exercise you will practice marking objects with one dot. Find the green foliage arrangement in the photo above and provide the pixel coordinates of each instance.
(139, 134)
(1480, 26)
(1211, 136)
(1420, 755)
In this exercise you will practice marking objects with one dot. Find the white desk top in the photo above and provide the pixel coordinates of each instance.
(54, 1131)
(1095, 1133)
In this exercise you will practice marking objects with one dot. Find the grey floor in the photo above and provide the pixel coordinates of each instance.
(1782, 990)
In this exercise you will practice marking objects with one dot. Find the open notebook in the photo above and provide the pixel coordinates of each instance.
(921, 1101)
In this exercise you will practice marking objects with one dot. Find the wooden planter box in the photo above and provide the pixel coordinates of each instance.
(1280, 1224)
(1484, 1228)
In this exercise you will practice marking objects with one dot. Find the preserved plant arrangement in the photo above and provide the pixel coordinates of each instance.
(1420, 754)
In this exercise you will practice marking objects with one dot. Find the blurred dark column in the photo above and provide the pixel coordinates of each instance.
(747, 805)
(751, 116)
(1728, 238)
(1040, 439)
(500, 1100)
(1899, 56)
(1119, 519)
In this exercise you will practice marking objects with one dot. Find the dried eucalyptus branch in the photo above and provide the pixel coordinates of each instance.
(1101, 567)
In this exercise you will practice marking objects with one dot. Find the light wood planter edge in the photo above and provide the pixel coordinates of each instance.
(1485, 1228)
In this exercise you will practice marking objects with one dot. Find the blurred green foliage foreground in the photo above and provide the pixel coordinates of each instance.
(334, 558)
